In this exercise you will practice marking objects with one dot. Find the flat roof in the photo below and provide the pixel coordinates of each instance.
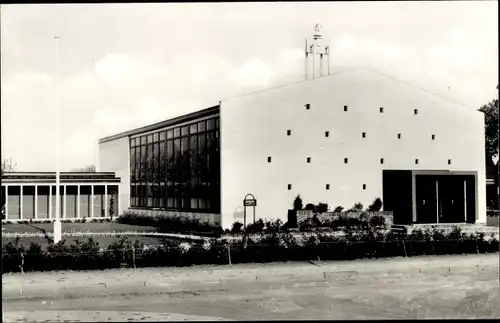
(163, 124)
(35, 177)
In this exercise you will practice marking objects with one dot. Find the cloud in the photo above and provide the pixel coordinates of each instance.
(123, 70)
(148, 64)
(253, 74)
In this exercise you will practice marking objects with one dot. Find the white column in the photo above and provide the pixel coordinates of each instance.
(78, 202)
(105, 200)
(6, 202)
(36, 201)
(117, 206)
(50, 201)
(92, 200)
(64, 199)
(465, 201)
(437, 202)
(21, 203)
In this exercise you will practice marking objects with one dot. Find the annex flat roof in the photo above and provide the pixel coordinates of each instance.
(65, 177)
(163, 124)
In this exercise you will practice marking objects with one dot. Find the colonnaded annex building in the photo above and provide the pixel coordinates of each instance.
(341, 138)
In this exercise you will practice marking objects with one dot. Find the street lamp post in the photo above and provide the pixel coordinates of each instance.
(57, 218)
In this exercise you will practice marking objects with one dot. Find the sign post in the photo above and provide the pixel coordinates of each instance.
(249, 200)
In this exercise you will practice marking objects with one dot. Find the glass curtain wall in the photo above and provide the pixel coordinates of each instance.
(177, 168)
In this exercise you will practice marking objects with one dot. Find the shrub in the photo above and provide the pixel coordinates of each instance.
(338, 209)
(237, 227)
(322, 207)
(376, 205)
(256, 227)
(274, 226)
(377, 221)
(357, 207)
(297, 203)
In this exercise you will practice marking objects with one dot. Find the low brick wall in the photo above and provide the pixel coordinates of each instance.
(447, 227)
(492, 221)
(204, 217)
(302, 215)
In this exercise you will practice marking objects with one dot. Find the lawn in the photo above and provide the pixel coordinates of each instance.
(104, 240)
(75, 227)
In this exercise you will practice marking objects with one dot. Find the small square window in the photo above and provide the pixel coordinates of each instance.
(289, 186)
(363, 135)
(268, 159)
(416, 161)
(308, 106)
(345, 160)
(288, 132)
(399, 136)
(381, 110)
(364, 186)
(449, 161)
(327, 186)
(415, 111)
(327, 133)
(433, 137)
(381, 160)
(345, 108)
(308, 159)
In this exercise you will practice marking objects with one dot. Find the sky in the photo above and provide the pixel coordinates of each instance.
(122, 66)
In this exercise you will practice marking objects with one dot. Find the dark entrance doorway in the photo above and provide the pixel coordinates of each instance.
(445, 198)
(426, 199)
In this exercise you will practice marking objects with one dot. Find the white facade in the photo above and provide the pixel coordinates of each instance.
(254, 127)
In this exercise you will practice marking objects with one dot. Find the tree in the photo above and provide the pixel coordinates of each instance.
(297, 203)
(322, 207)
(8, 165)
(490, 111)
(310, 207)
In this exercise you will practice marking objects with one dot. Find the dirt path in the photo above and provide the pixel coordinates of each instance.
(430, 287)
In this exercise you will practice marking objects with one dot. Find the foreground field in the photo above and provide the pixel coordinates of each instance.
(430, 287)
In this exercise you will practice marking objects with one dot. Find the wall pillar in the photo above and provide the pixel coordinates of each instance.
(465, 201)
(78, 201)
(414, 198)
(437, 201)
(92, 200)
(36, 202)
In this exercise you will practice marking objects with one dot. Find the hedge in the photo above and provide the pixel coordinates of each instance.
(171, 224)
(268, 247)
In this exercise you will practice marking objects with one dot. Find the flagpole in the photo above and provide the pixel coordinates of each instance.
(57, 217)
